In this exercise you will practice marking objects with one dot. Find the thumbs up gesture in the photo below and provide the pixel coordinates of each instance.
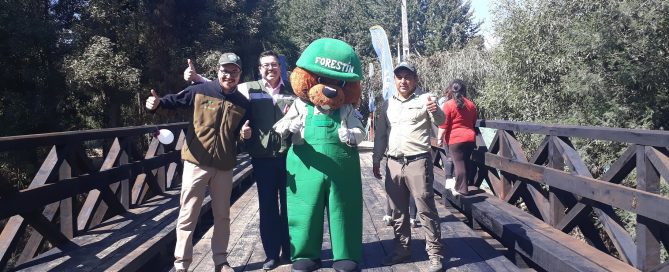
(190, 74)
(430, 105)
(246, 131)
(153, 101)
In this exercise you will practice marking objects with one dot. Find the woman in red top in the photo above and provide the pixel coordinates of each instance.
(459, 133)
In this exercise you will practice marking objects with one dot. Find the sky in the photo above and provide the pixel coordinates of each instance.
(482, 13)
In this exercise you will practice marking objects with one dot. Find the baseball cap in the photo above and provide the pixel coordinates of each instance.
(230, 58)
(405, 65)
(331, 58)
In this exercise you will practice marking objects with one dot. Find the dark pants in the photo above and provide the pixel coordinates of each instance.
(447, 162)
(464, 168)
(270, 175)
(412, 208)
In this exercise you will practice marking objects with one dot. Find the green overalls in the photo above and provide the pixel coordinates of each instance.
(324, 173)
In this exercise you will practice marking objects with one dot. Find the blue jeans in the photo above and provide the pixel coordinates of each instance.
(447, 162)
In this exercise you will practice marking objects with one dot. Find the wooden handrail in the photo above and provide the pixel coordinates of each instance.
(71, 194)
(62, 138)
(556, 185)
(623, 135)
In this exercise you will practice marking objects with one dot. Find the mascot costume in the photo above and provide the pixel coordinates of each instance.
(323, 163)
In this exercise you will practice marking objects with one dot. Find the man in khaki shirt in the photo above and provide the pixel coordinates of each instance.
(403, 136)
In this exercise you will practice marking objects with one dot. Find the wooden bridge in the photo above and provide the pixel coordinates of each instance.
(108, 200)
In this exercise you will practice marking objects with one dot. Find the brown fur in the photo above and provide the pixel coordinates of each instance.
(305, 85)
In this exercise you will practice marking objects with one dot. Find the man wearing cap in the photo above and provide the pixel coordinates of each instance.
(402, 135)
(269, 98)
(219, 121)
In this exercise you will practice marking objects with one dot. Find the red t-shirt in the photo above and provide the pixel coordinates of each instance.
(459, 124)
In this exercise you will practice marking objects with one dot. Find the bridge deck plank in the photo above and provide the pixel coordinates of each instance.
(535, 239)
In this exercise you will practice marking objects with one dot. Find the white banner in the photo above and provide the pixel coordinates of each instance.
(380, 43)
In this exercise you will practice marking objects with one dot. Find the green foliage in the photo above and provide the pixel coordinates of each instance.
(100, 66)
(437, 26)
(434, 26)
(469, 64)
(585, 62)
(90, 63)
(103, 75)
(596, 63)
(29, 68)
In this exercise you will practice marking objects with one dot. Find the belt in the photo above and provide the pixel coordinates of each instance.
(408, 159)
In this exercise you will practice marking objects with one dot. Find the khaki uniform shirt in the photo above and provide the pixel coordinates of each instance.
(403, 127)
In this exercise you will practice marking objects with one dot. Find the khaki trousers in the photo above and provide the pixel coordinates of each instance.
(414, 178)
(194, 185)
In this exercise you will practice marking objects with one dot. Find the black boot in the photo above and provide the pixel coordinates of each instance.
(345, 266)
(306, 265)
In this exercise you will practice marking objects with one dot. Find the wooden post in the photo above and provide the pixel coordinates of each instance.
(125, 183)
(67, 224)
(557, 207)
(647, 230)
(160, 172)
(505, 151)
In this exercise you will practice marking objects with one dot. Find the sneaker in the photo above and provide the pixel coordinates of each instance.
(399, 256)
(450, 184)
(388, 220)
(435, 264)
(224, 267)
(270, 264)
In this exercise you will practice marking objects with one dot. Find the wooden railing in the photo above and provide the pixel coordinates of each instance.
(555, 185)
(72, 192)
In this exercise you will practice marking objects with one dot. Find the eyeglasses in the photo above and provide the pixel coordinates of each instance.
(270, 65)
(339, 83)
(229, 73)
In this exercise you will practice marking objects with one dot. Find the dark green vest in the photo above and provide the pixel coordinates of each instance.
(265, 142)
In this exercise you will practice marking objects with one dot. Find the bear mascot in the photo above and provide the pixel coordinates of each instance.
(323, 163)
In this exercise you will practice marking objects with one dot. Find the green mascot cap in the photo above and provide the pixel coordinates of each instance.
(331, 58)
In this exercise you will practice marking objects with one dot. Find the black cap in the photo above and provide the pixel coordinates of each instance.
(230, 58)
(405, 65)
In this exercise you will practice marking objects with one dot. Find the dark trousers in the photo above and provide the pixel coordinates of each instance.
(270, 175)
(412, 208)
(447, 162)
(463, 167)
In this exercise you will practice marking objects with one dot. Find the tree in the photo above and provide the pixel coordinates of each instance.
(31, 82)
(436, 26)
(105, 76)
(595, 63)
